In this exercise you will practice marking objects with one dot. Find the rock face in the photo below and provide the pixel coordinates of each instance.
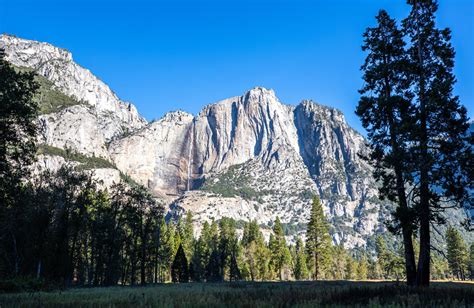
(114, 116)
(246, 157)
(252, 157)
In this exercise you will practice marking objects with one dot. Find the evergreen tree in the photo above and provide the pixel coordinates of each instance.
(383, 257)
(442, 150)
(187, 234)
(166, 250)
(457, 253)
(471, 261)
(301, 269)
(255, 252)
(179, 268)
(227, 244)
(351, 268)
(339, 260)
(439, 267)
(373, 270)
(362, 268)
(199, 260)
(18, 112)
(280, 254)
(385, 111)
(318, 240)
(213, 268)
(234, 271)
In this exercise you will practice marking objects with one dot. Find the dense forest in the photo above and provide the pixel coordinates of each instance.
(64, 228)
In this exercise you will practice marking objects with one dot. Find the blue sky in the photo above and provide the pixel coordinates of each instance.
(168, 55)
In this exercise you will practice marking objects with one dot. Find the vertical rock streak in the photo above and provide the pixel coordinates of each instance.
(190, 157)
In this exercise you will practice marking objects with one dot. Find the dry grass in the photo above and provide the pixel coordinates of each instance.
(259, 294)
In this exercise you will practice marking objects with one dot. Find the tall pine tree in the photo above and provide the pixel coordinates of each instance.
(457, 253)
(18, 112)
(280, 253)
(179, 268)
(442, 151)
(318, 240)
(384, 109)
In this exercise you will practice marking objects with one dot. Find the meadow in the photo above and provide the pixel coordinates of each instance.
(257, 294)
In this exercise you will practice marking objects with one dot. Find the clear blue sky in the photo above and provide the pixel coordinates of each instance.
(168, 55)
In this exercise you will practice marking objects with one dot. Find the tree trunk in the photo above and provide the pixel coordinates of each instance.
(16, 257)
(38, 269)
(423, 274)
(405, 219)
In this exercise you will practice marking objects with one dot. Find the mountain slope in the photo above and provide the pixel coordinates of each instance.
(252, 157)
(246, 157)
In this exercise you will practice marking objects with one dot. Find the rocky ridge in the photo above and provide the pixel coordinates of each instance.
(246, 157)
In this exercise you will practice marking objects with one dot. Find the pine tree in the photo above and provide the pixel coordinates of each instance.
(228, 244)
(362, 268)
(440, 268)
(213, 268)
(373, 270)
(199, 260)
(18, 113)
(301, 269)
(280, 254)
(457, 253)
(187, 235)
(234, 271)
(255, 252)
(179, 268)
(166, 249)
(318, 240)
(385, 111)
(471, 261)
(442, 151)
(338, 262)
(351, 268)
(383, 258)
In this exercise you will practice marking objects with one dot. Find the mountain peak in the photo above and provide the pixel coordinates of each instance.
(178, 115)
(328, 112)
(24, 52)
(260, 91)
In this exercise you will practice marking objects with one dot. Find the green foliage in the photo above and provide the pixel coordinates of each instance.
(18, 112)
(457, 253)
(301, 270)
(49, 99)
(291, 229)
(471, 262)
(362, 268)
(256, 254)
(408, 108)
(165, 249)
(280, 254)
(86, 162)
(389, 264)
(73, 233)
(443, 165)
(232, 183)
(179, 268)
(26, 284)
(318, 240)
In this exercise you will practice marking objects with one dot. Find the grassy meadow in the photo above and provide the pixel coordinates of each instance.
(258, 294)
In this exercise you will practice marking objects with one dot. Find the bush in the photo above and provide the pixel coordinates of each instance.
(25, 284)
(86, 162)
